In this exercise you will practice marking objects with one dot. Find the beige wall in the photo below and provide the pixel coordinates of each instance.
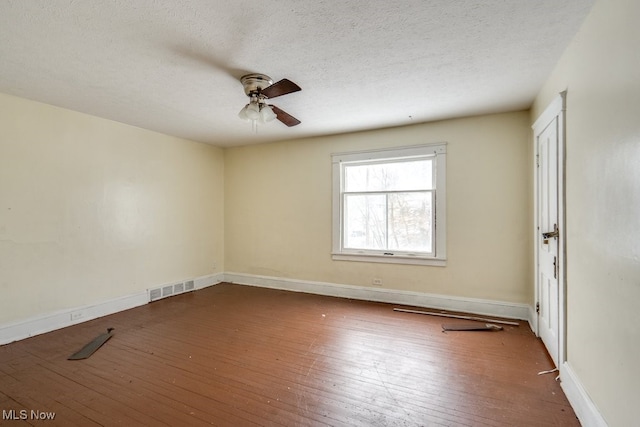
(92, 210)
(278, 209)
(601, 71)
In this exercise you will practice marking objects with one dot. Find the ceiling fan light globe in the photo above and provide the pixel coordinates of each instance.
(253, 111)
(267, 115)
(243, 113)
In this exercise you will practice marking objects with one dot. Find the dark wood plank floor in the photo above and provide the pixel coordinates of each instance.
(233, 355)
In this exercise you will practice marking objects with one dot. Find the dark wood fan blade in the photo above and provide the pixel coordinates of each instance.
(284, 117)
(282, 87)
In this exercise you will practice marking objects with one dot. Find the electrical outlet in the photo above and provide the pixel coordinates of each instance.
(77, 315)
(377, 282)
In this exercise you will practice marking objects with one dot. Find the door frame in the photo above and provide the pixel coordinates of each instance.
(556, 109)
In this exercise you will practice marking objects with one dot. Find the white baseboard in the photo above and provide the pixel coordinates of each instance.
(416, 299)
(533, 320)
(585, 409)
(210, 280)
(61, 319)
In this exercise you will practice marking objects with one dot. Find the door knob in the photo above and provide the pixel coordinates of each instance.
(552, 234)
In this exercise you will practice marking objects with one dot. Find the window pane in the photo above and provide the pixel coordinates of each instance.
(385, 203)
(393, 176)
(410, 221)
(365, 222)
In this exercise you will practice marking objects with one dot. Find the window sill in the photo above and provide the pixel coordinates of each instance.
(390, 259)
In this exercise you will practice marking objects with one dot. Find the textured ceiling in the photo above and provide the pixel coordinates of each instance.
(173, 66)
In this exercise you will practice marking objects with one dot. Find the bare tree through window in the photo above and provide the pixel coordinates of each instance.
(389, 205)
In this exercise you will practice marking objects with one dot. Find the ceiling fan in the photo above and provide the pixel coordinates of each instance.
(259, 88)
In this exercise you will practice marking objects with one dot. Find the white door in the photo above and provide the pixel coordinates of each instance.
(548, 295)
(549, 132)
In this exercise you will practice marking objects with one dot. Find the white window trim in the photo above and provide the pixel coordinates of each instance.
(439, 258)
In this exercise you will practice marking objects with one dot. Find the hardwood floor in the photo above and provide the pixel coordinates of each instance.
(232, 355)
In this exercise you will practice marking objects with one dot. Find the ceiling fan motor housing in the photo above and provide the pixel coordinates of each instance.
(254, 83)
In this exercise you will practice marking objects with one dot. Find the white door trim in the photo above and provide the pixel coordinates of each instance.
(557, 109)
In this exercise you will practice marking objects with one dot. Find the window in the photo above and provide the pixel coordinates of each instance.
(389, 205)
